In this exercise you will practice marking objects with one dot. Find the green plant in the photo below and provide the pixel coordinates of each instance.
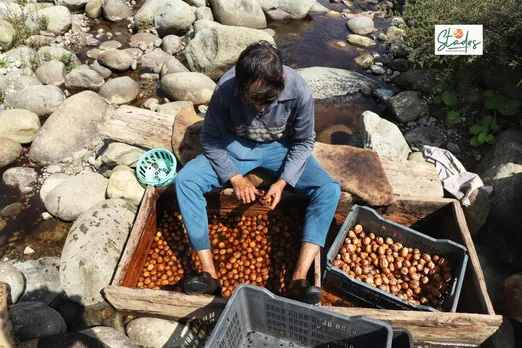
(22, 30)
(453, 118)
(67, 60)
(3, 64)
(483, 130)
(2, 98)
(497, 102)
(449, 98)
(34, 62)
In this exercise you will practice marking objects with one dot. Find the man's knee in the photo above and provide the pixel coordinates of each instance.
(332, 190)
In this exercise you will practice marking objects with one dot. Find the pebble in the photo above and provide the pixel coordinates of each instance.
(341, 43)
(46, 216)
(203, 109)
(378, 70)
(411, 123)
(454, 148)
(478, 157)
(28, 250)
(396, 73)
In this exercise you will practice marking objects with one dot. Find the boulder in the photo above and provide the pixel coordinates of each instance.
(101, 70)
(19, 125)
(51, 183)
(124, 184)
(42, 100)
(10, 275)
(172, 44)
(478, 211)
(121, 153)
(59, 19)
(76, 195)
(205, 13)
(284, 9)
(120, 90)
(110, 337)
(21, 178)
(382, 136)
(93, 248)
(175, 17)
(10, 151)
(42, 279)
(51, 73)
(154, 332)
(115, 59)
(34, 320)
(407, 106)
(7, 35)
(424, 81)
(215, 50)
(398, 64)
(171, 66)
(147, 39)
(73, 5)
(361, 41)
(424, 136)
(82, 78)
(361, 25)
(93, 8)
(155, 59)
(174, 108)
(188, 86)
(116, 10)
(144, 18)
(69, 128)
(241, 13)
(365, 60)
(185, 136)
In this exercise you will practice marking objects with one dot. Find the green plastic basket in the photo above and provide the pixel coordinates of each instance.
(156, 167)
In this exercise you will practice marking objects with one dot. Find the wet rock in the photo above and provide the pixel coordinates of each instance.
(69, 128)
(11, 210)
(76, 195)
(394, 32)
(110, 337)
(377, 69)
(116, 10)
(407, 106)
(110, 45)
(205, 13)
(154, 332)
(51, 73)
(155, 59)
(15, 280)
(93, 248)
(175, 18)
(423, 81)
(241, 13)
(399, 48)
(172, 44)
(361, 41)
(361, 25)
(93, 8)
(101, 70)
(215, 50)
(32, 97)
(21, 178)
(51, 182)
(188, 86)
(82, 78)
(365, 60)
(10, 151)
(19, 125)
(399, 64)
(42, 277)
(121, 153)
(123, 184)
(319, 8)
(383, 94)
(7, 34)
(115, 59)
(424, 136)
(147, 39)
(34, 320)
(382, 136)
(172, 66)
(282, 9)
(58, 17)
(174, 108)
(454, 148)
(120, 90)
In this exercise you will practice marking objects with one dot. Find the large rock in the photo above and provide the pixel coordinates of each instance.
(478, 211)
(42, 100)
(82, 78)
(361, 25)
(185, 136)
(407, 106)
(34, 320)
(10, 150)
(101, 70)
(424, 81)
(73, 197)
(241, 13)
(59, 19)
(155, 59)
(120, 90)
(144, 18)
(124, 184)
(10, 275)
(21, 178)
(424, 136)
(23, 54)
(502, 169)
(115, 59)
(175, 17)
(42, 279)
(214, 50)
(174, 108)
(172, 66)
(51, 73)
(154, 332)
(7, 35)
(51, 183)
(19, 124)
(121, 153)
(93, 8)
(285, 9)
(110, 337)
(172, 44)
(69, 128)
(204, 13)
(382, 136)
(188, 86)
(116, 10)
(93, 248)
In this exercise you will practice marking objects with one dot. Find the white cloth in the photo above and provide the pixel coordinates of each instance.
(455, 178)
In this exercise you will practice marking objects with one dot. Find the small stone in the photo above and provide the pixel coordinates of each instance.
(341, 44)
(396, 73)
(11, 210)
(416, 157)
(203, 109)
(411, 124)
(94, 53)
(382, 37)
(110, 45)
(28, 250)
(389, 71)
(383, 94)
(46, 216)
(378, 70)
(454, 148)
(365, 60)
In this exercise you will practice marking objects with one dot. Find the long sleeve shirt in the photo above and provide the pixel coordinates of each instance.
(290, 117)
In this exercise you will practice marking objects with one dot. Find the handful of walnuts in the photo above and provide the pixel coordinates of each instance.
(392, 267)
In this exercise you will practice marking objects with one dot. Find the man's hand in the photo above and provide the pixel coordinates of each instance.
(245, 191)
(275, 192)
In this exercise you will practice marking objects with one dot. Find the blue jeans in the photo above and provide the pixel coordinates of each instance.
(198, 178)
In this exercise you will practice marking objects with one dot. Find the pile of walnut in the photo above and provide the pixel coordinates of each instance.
(258, 250)
(395, 268)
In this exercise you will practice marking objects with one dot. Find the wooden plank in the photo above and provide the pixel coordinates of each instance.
(141, 127)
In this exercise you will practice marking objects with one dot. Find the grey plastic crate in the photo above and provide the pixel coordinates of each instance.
(254, 318)
(373, 223)
(402, 339)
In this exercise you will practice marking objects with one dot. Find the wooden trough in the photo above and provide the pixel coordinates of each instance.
(473, 323)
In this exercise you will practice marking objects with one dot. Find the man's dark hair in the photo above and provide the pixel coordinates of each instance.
(259, 73)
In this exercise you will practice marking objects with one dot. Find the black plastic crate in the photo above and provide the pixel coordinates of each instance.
(254, 317)
(350, 287)
(402, 339)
